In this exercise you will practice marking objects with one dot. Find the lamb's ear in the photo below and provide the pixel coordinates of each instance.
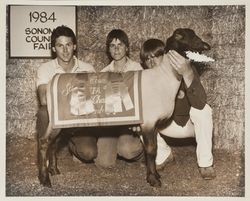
(171, 44)
(178, 36)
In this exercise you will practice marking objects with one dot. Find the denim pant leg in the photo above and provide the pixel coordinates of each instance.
(83, 145)
(107, 150)
(130, 146)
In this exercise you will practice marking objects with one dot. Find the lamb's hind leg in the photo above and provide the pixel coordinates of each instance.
(44, 142)
(150, 143)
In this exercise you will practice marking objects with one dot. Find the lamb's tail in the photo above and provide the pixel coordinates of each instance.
(163, 123)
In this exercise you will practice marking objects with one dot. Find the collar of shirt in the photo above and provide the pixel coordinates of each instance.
(74, 69)
(125, 67)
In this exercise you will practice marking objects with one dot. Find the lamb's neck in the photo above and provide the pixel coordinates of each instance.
(168, 74)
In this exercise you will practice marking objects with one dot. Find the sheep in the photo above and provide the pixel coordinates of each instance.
(159, 88)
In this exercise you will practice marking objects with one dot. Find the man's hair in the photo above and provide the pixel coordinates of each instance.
(151, 48)
(62, 31)
(117, 34)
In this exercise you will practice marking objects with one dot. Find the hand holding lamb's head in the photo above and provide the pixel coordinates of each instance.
(185, 40)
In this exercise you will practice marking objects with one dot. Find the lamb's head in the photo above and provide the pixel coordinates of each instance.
(183, 40)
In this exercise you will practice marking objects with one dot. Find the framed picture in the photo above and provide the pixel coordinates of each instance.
(31, 28)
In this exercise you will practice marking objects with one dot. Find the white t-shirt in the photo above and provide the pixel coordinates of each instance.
(47, 70)
(129, 66)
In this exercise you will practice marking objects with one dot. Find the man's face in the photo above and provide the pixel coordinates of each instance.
(64, 49)
(117, 49)
(154, 61)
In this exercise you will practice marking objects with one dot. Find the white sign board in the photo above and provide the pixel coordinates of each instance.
(31, 28)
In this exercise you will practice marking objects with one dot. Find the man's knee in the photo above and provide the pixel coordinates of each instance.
(88, 154)
(84, 151)
(130, 149)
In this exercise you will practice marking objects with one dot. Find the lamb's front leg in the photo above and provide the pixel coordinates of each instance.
(150, 143)
(44, 142)
(53, 148)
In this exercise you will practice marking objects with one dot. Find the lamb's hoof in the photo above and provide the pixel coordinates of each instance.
(158, 176)
(54, 171)
(153, 180)
(45, 181)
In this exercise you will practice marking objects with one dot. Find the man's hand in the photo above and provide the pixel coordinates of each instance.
(135, 128)
(182, 66)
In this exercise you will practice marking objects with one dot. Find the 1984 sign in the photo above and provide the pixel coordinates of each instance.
(31, 36)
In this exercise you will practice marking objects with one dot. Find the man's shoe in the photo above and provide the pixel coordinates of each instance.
(169, 159)
(207, 173)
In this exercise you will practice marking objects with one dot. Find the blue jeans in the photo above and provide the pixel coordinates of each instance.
(110, 144)
(127, 146)
(100, 145)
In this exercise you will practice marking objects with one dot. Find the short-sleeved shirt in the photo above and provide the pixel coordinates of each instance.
(47, 70)
(129, 66)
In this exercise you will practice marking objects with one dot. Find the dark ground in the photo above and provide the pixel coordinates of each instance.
(180, 178)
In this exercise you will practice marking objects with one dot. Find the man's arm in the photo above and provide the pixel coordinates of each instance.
(194, 89)
(42, 94)
(188, 76)
(195, 92)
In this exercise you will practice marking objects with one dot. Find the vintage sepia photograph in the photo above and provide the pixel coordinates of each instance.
(138, 100)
